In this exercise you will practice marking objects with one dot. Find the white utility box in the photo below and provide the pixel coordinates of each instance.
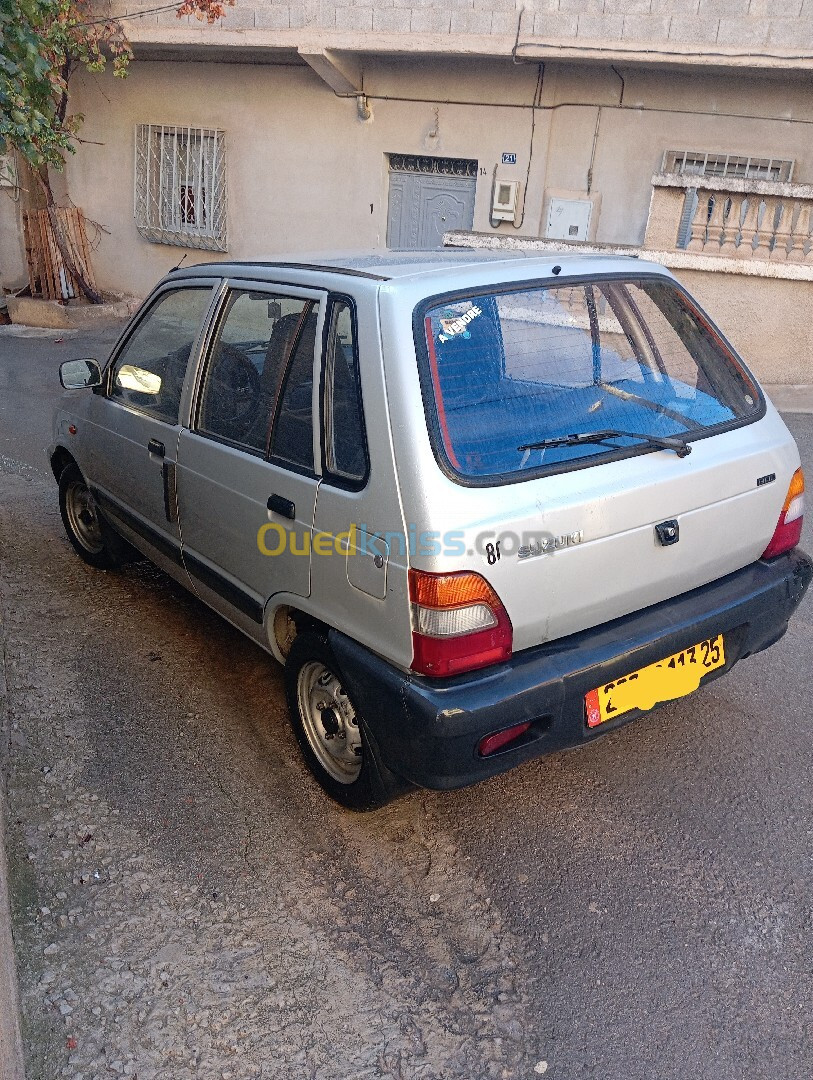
(569, 219)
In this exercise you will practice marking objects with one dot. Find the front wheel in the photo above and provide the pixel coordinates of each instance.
(332, 734)
(92, 538)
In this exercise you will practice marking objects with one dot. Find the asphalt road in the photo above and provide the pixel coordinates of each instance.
(188, 904)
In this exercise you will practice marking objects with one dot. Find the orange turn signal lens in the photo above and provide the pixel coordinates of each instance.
(797, 487)
(794, 496)
(450, 590)
(788, 530)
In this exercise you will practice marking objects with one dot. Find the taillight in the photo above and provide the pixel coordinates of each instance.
(458, 623)
(788, 531)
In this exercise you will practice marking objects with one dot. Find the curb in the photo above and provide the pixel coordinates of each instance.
(790, 398)
(30, 311)
(11, 1045)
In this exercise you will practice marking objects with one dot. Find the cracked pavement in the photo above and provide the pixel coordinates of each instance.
(188, 904)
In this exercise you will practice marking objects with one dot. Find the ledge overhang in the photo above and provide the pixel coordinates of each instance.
(341, 50)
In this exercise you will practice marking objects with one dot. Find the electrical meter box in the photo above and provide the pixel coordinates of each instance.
(506, 198)
(569, 219)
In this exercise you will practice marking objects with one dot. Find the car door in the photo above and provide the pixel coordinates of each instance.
(248, 467)
(135, 419)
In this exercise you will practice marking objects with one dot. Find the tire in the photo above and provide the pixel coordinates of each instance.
(92, 538)
(334, 739)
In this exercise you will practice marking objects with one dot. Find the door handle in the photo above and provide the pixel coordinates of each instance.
(156, 447)
(281, 506)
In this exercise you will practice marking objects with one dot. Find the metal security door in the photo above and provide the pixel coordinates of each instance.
(428, 197)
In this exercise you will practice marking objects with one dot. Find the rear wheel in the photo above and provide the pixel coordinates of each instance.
(332, 735)
(92, 538)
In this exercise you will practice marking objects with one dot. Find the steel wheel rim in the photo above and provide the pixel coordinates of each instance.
(330, 722)
(84, 517)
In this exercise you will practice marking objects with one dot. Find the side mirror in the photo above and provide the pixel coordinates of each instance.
(78, 374)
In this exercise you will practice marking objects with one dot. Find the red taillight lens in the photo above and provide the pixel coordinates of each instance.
(788, 530)
(458, 623)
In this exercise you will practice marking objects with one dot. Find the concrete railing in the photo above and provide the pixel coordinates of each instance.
(732, 218)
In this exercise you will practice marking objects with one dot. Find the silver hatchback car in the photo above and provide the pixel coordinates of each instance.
(480, 507)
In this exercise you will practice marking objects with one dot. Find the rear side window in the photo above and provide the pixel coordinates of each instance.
(246, 366)
(515, 368)
(345, 441)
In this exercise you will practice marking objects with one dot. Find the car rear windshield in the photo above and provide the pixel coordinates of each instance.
(508, 369)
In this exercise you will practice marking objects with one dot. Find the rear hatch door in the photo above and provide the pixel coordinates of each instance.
(573, 534)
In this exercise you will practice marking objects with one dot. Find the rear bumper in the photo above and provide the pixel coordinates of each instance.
(427, 730)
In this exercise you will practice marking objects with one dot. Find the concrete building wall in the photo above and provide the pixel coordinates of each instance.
(304, 173)
(13, 272)
(668, 110)
(766, 320)
(735, 25)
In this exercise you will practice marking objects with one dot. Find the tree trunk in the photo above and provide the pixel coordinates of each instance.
(59, 238)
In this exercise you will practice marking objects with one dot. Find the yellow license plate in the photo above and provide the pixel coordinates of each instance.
(665, 680)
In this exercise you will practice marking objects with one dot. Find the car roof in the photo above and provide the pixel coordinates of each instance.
(391, 265)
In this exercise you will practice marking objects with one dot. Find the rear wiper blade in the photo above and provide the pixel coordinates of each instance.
(680, 446)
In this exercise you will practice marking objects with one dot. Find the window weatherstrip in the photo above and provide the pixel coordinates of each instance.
(328, 450)
(440, 405)
(327, 395)
(316, 382)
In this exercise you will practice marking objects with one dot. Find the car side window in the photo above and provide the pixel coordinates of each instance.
(292, 434)
(246, 366)
(345, 440)
(149, 372)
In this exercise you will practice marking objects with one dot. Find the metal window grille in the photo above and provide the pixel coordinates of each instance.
(433, 166)
(180, 186)
(697, 163)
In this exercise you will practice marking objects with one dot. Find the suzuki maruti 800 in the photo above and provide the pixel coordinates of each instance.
(481, 508)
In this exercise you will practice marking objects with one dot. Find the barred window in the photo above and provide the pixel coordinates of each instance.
(698, 163)
(180, 186)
